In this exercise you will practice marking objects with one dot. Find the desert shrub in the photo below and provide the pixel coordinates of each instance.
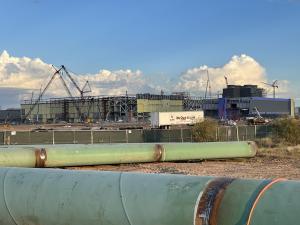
(205, 131)
(286, 131)
(266, 142)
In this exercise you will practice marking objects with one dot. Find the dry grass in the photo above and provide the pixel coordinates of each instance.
(205, 131)
(283, 152)
(286, 131)
(281, 161)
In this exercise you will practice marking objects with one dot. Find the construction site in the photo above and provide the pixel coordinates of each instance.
(236, 103)
(176, 144)
(150, 112)
(150, 158)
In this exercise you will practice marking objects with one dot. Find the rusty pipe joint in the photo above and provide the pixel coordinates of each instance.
(53, 196)
(40, 157)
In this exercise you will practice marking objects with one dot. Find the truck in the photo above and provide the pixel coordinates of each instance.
(167, 119)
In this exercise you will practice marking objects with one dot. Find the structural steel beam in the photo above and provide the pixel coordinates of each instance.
(79, 155)
(53, 196)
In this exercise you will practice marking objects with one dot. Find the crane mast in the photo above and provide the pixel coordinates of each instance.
(58, 72)
(208, 87)
(41, 94)
(226, 81)
(274, 85)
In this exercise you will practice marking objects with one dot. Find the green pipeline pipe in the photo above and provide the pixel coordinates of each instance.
(79, 155)
(57, 197)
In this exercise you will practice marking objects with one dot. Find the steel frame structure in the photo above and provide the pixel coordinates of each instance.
(107, 108)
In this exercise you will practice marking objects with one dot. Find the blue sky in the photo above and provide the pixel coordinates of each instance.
(159, 37)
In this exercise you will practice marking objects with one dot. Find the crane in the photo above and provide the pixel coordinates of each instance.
(274, 85)
(81, 91)
(69, 92)
(59, 73)
(258, 119)
(41, 94)
(207, 85)
(226, 81)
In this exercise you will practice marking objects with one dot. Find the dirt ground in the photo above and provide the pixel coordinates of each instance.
(269, 163)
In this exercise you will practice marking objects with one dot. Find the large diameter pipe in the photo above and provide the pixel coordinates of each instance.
(78, 155)
(53, 196)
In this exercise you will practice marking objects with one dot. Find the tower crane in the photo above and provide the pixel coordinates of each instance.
(274, 85)
(226, 81)
(208, 87)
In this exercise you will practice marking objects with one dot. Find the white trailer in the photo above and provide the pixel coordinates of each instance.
(165, 119)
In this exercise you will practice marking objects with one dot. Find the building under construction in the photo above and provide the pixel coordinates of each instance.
(77, 109)
(236, 102)
(127, 108)
(138, 108)
(84, 108)
(87, 109)
(100, 108)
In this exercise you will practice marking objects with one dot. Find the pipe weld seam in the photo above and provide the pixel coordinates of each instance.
(40, 157)
(157, 152)
(260, 194)
(163, 153)
(5, 200)
(122, 200)
(210, 201)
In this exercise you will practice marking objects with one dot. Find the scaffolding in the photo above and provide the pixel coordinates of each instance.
(123, 108)
(92, 109)
(193, 103)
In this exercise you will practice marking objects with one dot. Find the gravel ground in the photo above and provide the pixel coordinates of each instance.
(269, 163)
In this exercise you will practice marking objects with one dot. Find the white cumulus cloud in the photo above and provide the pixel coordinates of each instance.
(22, 72)
(117, 82)
(22, 75)
(27, 75)
(239, 70)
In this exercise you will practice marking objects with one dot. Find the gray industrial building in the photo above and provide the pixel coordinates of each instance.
(237, 108)
(10, 116)
(139, 107)
(238, 91)
(242, 101)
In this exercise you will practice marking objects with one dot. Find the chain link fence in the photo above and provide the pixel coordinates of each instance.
(223, 133)
(243, 133)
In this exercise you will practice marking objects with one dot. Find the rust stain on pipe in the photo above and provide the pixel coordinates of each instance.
(158, 152)
(40, 157)
(210, 201)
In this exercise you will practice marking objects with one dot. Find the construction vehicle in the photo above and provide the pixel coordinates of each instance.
(257, 120)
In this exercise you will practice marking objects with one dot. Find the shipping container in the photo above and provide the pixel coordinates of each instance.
(165, 119)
